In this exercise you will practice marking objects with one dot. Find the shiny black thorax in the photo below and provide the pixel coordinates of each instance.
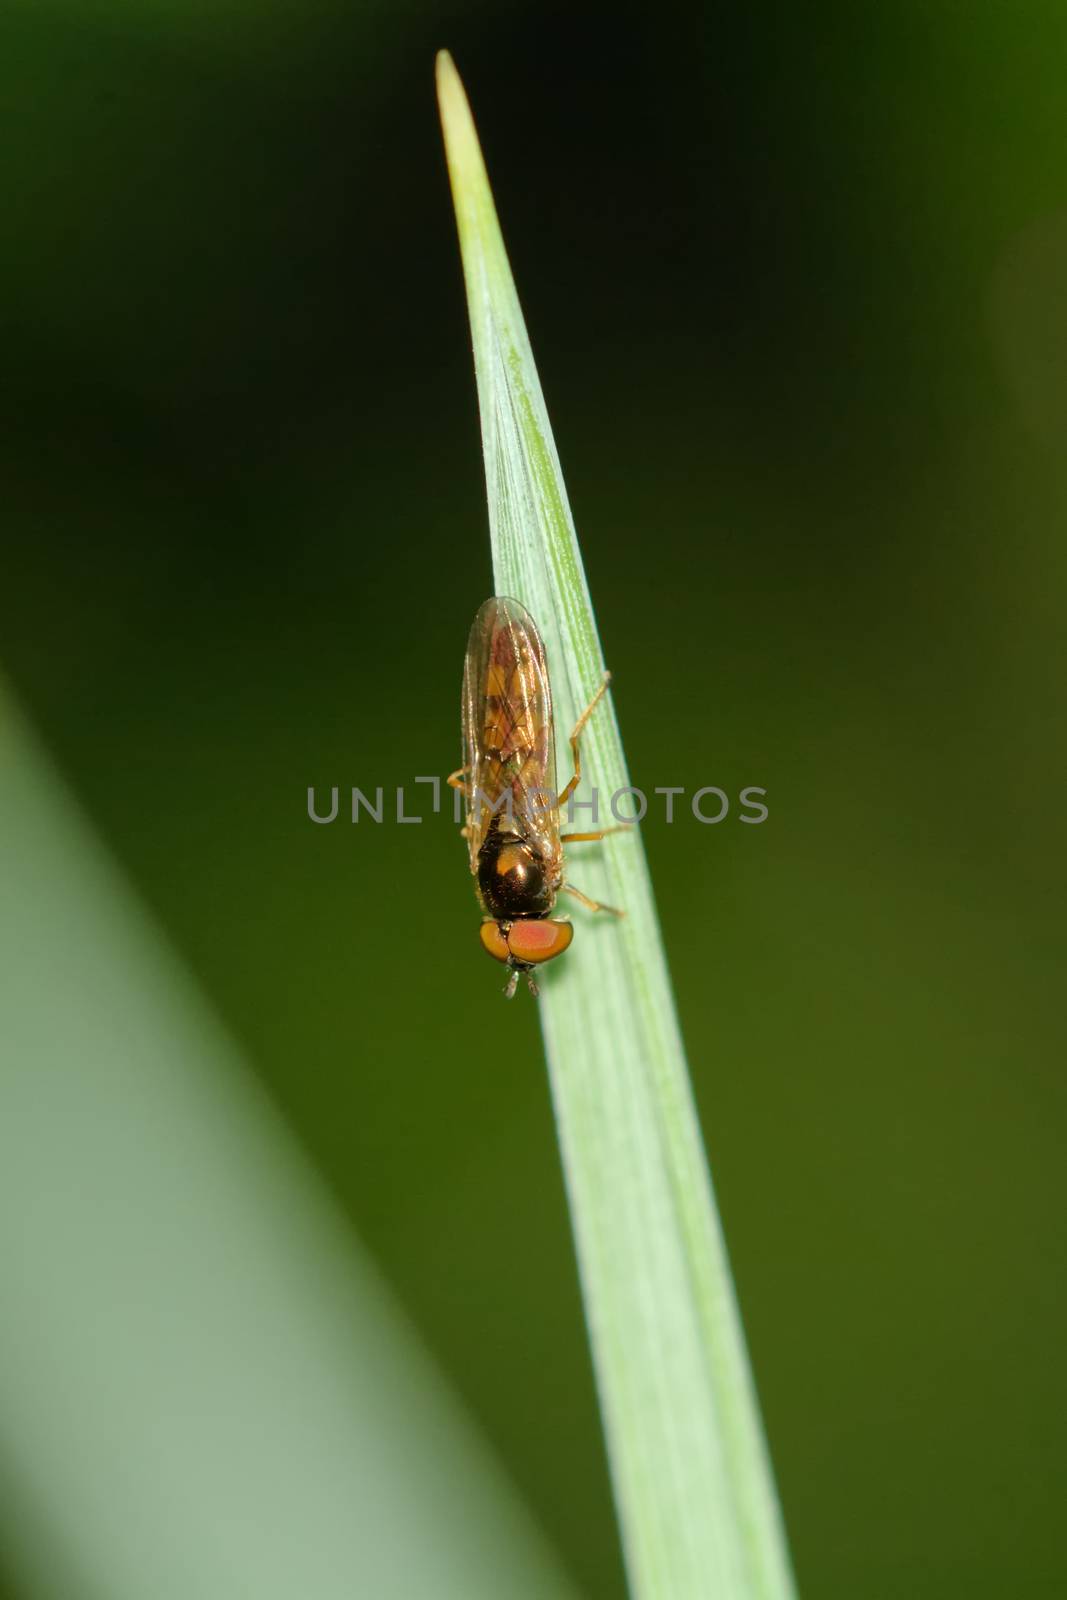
(512, 878)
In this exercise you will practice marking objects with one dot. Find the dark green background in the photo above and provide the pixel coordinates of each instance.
(795, 277)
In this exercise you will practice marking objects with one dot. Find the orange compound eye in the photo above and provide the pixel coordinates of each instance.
(538, 939)
(494, 941)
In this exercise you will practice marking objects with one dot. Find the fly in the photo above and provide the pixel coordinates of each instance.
(509, 781)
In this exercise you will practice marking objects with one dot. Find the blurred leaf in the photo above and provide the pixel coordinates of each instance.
(205, 1389)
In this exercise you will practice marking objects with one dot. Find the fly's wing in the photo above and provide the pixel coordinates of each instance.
(508, 745)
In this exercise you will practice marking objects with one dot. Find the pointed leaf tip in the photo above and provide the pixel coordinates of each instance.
(451, 96)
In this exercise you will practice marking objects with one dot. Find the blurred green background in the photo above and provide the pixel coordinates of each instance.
(796, 278)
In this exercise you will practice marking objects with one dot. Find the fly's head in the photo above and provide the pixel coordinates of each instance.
(523, 944)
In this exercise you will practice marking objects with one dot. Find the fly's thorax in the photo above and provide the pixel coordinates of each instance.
(516, 877)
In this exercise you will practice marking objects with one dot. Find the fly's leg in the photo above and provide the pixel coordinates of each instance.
(577, 734)
(591, 905)
(584, 838)
(581, 838)
(458, 780)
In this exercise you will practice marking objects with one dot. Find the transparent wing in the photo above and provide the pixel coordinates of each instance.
(508, 744)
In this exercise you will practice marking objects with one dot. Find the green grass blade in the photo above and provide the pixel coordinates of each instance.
(696, 1500)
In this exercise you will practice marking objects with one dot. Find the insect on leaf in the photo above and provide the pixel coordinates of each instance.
(696, 1499)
